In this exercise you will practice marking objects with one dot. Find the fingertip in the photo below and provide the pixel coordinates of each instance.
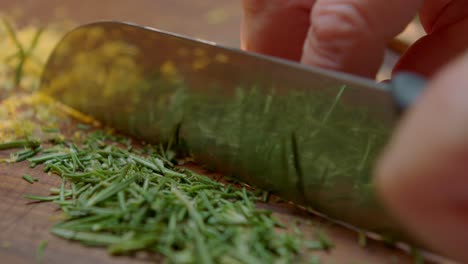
(276, 27)
(351, 35)
(439, 14)
(422, 176)
(340, 38)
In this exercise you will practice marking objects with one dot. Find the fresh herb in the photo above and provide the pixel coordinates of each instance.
(362, 239)
(51, 130)
(24, 154)
(25, 143)
(83, 127)
(314, 260)
(116, 198)
(40, 251)
(30, 178)
(41, 198)
(327, 244)
(418, 257)
(322, 242)
(22, 54)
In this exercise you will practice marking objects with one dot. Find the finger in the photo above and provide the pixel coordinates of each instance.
(351, 35)
(448, 38)
(275, 27)
(423, 175)
(437, 14)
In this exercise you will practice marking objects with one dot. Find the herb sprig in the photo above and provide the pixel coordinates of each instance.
(22, 54)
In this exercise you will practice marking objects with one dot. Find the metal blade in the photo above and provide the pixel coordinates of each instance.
(307, 134)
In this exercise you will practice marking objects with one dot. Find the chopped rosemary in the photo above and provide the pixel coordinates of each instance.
(51, 130)
(23, 54)
(30, 178)
(26, 143)
(326, 243)
(314, 260)
(40, 251)
(114, 197)
(41, 198)
(323, 242)
(418, 257)
(362, 239)
(84, 127)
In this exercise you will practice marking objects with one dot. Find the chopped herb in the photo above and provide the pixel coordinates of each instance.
(24, 154)
(22, 53)
(266, 196)
(41, 198)
(40, 251)
(51, 130)
(362, 239)
(26, 143)
(323, 242)
(313, 245)
(418, 257)
(29, 178)
(314, 260)
(126, 202)
(83, 127)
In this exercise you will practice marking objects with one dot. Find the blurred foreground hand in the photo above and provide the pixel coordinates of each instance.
(423, 175)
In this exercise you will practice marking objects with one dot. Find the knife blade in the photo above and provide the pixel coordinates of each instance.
(304, 133)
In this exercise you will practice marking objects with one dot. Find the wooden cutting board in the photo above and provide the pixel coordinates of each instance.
(24, 225)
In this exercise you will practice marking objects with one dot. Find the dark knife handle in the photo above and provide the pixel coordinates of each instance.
(406, 87)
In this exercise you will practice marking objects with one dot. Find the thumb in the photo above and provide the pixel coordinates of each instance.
(351, 35)
(423, 175)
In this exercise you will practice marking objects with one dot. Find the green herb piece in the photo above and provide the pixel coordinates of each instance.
(22, 54)
(134, 244)
(83, 127)
(266, 196)
(326, 243)
(109, 191)
(30, 178)
(314, 245)
(418, 257)
(40, 251)
(322, 242)
(314, 260)
(94, 238)
(51, 130)
(362, 239)
(62, 190)
(46, 157)
(41, 198)
(27, 143)
(25, 154)
(194, 214)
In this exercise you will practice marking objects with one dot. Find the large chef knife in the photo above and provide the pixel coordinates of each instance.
(306, 134)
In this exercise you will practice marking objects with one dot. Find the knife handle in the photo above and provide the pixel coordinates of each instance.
(405, 88)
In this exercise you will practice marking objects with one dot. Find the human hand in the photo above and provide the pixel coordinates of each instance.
(423, 175)
(351, 35)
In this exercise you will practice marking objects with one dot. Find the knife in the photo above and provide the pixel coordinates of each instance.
(306, 134)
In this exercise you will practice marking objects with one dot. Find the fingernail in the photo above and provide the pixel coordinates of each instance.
(406, 87)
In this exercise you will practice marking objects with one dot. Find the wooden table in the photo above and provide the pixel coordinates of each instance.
(23, 225)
